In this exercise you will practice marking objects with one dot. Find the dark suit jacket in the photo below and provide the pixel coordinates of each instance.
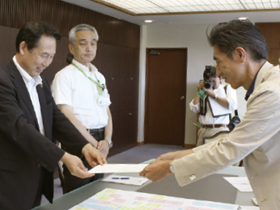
(23, 149)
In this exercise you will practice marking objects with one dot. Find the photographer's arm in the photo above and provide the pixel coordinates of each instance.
(222, 101)
(196, 99)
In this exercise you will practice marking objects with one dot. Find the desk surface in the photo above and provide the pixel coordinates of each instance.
(77, 196)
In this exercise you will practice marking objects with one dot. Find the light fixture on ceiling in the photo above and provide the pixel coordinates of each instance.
(148, 21)
(242, 18)
(153, 7)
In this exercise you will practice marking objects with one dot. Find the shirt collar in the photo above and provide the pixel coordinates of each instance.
(252, 87)
(26, 77)
(216, 89)
(84, 68)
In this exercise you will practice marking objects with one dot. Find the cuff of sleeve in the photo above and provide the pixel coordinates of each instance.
(194, 107)
(180, 173)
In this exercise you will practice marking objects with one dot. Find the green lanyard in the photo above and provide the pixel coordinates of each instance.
(100, 87)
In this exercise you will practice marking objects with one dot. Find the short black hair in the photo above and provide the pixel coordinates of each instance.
(209, 71)
(69, 58)
(31, 33)
(239, 33)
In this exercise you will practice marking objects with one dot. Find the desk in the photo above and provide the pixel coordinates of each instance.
(77, 196)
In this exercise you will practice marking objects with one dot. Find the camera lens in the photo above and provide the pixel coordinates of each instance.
(207, 85)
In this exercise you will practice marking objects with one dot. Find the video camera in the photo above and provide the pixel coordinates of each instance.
(209, 72)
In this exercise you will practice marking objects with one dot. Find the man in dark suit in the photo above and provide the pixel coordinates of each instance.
(29, 119)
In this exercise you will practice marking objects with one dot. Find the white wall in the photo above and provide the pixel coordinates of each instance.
(200, 54)
(142, 82)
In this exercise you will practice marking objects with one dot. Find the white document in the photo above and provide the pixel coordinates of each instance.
(118, 168)
(241, 183)
(217, 109)
(130, 180)
(250, 208)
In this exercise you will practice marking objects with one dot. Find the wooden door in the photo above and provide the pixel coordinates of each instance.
(165, 96)
(120, 68)
(271, 33)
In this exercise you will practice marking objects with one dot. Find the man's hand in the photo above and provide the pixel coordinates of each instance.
(103, 147)
(93, 156)
(75, 166)
(200, 84)
(156, 170)
(210, 91)
(159, 168)
(174, 155)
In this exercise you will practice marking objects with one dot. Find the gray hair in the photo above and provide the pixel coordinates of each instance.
(81, 27)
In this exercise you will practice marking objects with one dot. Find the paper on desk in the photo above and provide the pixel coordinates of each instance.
(250, 208)
(120, 199)
(118, 168)
(130, 180)
(241, 183)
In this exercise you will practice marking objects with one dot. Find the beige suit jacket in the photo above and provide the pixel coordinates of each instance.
(256, 140)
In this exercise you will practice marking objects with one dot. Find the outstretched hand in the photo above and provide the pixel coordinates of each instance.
(75, 166)
(159, 168)
(93, 156)
(156, 170)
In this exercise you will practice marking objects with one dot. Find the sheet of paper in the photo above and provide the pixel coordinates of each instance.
(217, 109)
(241, 183)
(109, 199)
(250, 208)
(118, 168)
(130, 180)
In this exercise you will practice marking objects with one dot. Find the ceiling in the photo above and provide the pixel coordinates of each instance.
(197, 18)
(146, 7)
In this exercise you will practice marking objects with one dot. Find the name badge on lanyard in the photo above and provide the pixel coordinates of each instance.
(103, 98)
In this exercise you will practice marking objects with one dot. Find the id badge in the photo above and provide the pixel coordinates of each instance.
(103, 100)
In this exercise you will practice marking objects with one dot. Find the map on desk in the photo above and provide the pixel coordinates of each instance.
(113, 199)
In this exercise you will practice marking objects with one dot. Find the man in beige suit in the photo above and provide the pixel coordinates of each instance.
(240, 52)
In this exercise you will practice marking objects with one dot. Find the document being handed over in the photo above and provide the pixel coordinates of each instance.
(118, 168)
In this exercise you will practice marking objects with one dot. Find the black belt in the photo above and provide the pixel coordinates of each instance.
(214, 125)
(96, 130)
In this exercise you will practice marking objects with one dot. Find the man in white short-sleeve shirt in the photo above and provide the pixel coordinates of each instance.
(80, 92)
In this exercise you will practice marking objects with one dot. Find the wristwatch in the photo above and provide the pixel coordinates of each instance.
(215, 97)
(109, 142)
(171, 168)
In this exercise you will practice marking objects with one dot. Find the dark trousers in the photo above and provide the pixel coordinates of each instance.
(72, 182)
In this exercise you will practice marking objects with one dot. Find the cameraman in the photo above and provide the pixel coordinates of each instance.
(224, 97)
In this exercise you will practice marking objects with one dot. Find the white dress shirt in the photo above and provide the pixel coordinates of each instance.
(31, 84)
(71, 87)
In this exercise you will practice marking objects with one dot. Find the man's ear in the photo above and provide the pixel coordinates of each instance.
(70, 46)
(22, 47)
(241, 53)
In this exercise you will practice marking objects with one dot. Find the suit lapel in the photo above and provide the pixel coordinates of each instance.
(43, 105)
(22, 90)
